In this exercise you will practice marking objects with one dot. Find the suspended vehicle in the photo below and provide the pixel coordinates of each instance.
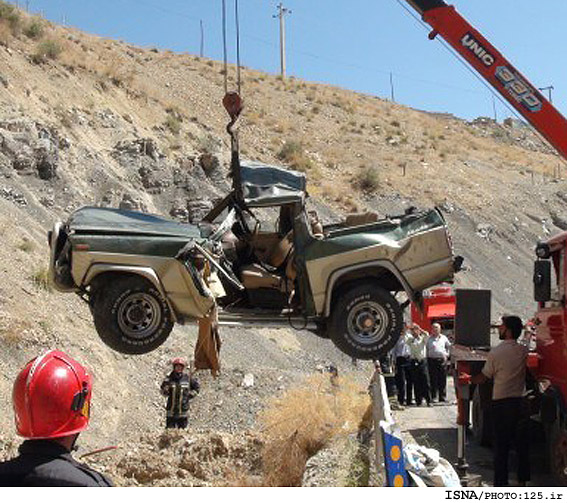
(142, 273)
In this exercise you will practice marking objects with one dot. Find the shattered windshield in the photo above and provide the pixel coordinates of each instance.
(225, 226)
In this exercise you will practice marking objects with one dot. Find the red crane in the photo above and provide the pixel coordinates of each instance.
(496, 69)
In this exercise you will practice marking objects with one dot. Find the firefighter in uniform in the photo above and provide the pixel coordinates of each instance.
(51, 399)
(179, 388)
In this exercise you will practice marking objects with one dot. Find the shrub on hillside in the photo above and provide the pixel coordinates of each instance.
(34, 29)
(40, 278)
(48, 49)
(293, 154)
(368, 179)
(10, 16)
(173, 124)
(26, 246)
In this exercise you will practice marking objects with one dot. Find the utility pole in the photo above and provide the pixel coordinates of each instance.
(202, 53)
(392, 94)
(548, 89)
(282, 11)
(494, 108)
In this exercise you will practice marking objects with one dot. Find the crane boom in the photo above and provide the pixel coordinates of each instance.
(496, 69)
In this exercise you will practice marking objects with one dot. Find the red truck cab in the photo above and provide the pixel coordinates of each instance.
(438, 307)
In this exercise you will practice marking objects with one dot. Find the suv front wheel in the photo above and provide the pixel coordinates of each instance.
(366, 321)
(130, 315)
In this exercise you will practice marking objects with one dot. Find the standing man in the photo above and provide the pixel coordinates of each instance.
(506, 364)
(179, 388)
(403, 375)
(417, 342)
(51, 399)
(438, 349)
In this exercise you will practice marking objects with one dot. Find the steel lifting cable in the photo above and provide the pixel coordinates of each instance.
(237, 45)
(225, 50)
(224, 46)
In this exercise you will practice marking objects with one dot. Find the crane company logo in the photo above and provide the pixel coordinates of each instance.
(473, 45)
(518, 88)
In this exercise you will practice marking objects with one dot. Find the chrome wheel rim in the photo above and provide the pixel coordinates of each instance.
(367, 322)
(139, 315)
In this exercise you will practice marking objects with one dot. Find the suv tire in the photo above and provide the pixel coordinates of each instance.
(130, 315)
(366, 321)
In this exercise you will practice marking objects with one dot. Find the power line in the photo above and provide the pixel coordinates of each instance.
(336, 62)
(341, 63)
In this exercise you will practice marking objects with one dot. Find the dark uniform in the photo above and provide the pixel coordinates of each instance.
(179, 389)
(43, 463)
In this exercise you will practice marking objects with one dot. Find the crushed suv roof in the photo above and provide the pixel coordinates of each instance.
(265, 185)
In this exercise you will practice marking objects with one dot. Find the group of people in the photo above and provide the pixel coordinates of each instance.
(51, 399)
(421, 365)
(421, 370)
(52, 394)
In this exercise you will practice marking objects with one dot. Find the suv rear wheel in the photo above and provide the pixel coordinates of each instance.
(130, 315)
(366, 321)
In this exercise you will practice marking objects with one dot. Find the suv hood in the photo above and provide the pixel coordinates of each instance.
(93, 220)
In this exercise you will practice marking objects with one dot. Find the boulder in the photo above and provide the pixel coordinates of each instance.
(209, 163)
(197, 209)
(128, 202)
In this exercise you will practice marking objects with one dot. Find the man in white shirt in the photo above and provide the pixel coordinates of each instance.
(506, 364)
(417, 342)
(438, 348)
(404, 384)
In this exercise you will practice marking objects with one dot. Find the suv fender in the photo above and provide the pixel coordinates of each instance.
(145, 272)
(384, 264)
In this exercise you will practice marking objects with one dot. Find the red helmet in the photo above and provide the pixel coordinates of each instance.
(51, 397)
(179, 361)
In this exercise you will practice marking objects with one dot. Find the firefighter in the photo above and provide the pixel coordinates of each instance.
(179, 387)
(51, 399)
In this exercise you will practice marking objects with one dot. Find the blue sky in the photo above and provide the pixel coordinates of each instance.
(353, 44)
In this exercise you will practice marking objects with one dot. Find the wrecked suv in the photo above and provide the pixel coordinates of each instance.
(141, 273)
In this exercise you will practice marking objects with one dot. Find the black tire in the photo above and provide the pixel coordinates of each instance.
(481, 419)
(130, 315)
(361, 304)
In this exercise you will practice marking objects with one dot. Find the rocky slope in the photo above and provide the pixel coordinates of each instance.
(91, 121)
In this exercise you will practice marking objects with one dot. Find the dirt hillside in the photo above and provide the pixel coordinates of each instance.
(90, 121)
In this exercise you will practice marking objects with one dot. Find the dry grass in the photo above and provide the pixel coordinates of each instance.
(5, 34)
(303, 421)
(294, 155)
(173, 124)
(40, 278)
(48, 49)
(34, 29)
(10, 17)
(12, 331)
(26, 246)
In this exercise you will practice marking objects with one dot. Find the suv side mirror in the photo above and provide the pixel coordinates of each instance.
(542, 280)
